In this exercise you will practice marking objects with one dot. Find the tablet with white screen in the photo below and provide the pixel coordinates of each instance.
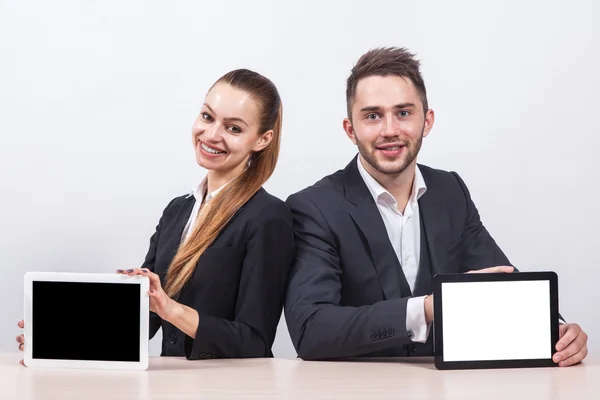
(495, 320)
(80, 320)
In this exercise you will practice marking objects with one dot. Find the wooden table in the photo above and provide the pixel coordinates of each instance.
(176, 378)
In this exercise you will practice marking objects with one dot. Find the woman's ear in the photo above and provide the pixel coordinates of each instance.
(263, 140)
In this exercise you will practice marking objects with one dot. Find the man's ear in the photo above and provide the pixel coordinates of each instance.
(349, 129)
(429, 120)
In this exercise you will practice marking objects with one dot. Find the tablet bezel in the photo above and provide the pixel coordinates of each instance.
(438, 340)
(143, 281)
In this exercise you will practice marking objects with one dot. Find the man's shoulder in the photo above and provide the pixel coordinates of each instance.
(326, 190)
(440, 179)
(436, 174)
(446, 186)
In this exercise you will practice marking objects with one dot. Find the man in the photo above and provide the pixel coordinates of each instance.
(370, 237)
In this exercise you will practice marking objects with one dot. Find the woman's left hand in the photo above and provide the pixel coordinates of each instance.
(160, 303)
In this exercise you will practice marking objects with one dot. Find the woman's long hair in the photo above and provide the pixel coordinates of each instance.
(216, 214)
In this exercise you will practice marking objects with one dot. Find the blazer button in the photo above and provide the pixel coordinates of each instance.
(410, 334)
(172, 338)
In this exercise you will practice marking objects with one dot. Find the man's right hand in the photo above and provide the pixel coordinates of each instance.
(507, 269)
(493, 270)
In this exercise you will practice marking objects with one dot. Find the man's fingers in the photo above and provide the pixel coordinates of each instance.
(570, 332)
(22, 362)
(575, 358)
(20, 338)
(21, 324)
(572, 349)
(562, 328)
(21, 346)
(493, 270)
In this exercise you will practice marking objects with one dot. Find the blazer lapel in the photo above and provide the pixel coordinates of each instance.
(181, 219)
(368, 219)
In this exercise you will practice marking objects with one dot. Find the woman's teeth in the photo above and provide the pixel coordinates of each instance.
(209, 150)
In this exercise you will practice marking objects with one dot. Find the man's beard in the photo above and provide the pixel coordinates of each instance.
(392, 168)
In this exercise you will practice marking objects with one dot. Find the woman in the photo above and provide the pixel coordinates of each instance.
(219, 260)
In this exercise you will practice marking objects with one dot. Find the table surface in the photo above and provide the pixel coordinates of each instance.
(417, 378)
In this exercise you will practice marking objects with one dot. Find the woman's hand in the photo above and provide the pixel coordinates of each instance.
(160, 303)
(21, 339)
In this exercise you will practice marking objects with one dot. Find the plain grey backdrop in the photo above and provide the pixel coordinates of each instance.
(97, 99)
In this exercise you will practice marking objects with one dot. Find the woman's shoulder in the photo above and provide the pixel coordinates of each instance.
(179, 202)
(264, 205)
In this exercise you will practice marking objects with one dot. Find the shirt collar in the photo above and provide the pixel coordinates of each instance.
(379, 192)
(198, 191)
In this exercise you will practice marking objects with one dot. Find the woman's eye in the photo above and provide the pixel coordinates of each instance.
(235, 129)
(206, 116)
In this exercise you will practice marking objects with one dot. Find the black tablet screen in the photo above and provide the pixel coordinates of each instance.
(86, 321)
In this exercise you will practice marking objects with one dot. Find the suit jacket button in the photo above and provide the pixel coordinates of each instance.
(172, 338)
(410, 334)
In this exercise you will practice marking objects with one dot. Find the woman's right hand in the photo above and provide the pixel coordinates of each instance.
(21, 339)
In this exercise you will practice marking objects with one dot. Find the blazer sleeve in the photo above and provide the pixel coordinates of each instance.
(320, 327)
(269, 253)
(479, 250)
(155, 320)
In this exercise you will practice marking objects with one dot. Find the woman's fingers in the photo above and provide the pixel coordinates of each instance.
(130, 272)
(21, 324)
(21, 340)
(154, 279)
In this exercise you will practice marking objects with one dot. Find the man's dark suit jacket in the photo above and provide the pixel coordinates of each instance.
(238, 285)
(347, 294)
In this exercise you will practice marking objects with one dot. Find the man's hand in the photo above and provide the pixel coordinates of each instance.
(507, 269)
(491, 270)
(429, 308)
(572, 346)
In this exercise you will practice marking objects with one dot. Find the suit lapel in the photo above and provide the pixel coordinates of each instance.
(181, 219)
(368, 219)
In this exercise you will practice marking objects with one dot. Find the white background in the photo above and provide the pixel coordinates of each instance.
(497, 326)
(97, 99)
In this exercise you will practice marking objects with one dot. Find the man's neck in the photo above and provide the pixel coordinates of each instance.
(398, 185)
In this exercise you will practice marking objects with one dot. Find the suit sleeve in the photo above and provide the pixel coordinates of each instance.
(155, 320)
(321, 327)
(269, 253)
(479, 250)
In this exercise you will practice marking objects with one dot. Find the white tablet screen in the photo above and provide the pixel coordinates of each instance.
(484, 321)
(86, 321)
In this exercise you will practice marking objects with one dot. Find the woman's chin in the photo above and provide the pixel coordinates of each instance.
(206, 164)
